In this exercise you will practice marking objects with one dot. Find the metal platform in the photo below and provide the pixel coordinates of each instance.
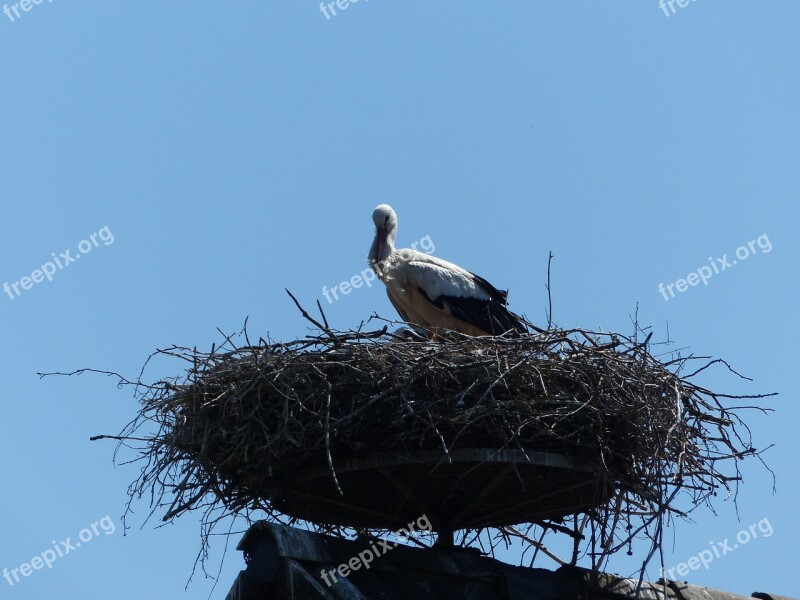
(463, 489)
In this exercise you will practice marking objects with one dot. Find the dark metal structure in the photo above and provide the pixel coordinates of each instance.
(465, 488)
(284, 563)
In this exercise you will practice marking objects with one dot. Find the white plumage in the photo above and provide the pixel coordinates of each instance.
(435, 294)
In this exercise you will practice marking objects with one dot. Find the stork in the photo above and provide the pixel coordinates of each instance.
(435, 294)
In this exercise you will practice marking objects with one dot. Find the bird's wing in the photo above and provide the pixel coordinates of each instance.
(465, 295)
(500, 295)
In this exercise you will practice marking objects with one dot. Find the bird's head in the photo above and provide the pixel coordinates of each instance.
(385, 221)
(384, 218)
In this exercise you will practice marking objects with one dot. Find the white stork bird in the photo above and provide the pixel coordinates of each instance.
(433, 293)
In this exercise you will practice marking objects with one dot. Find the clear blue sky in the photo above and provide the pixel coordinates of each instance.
(232, 150)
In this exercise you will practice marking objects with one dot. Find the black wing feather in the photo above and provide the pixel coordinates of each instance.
(500, 295)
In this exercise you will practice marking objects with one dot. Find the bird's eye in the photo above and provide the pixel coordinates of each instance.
(386, 220)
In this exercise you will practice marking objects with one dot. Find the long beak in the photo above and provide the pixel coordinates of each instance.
(381, 234)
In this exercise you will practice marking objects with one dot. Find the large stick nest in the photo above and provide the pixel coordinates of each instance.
(362, 429)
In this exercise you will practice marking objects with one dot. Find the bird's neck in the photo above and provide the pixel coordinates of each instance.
(388, 246)
(382, 250)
